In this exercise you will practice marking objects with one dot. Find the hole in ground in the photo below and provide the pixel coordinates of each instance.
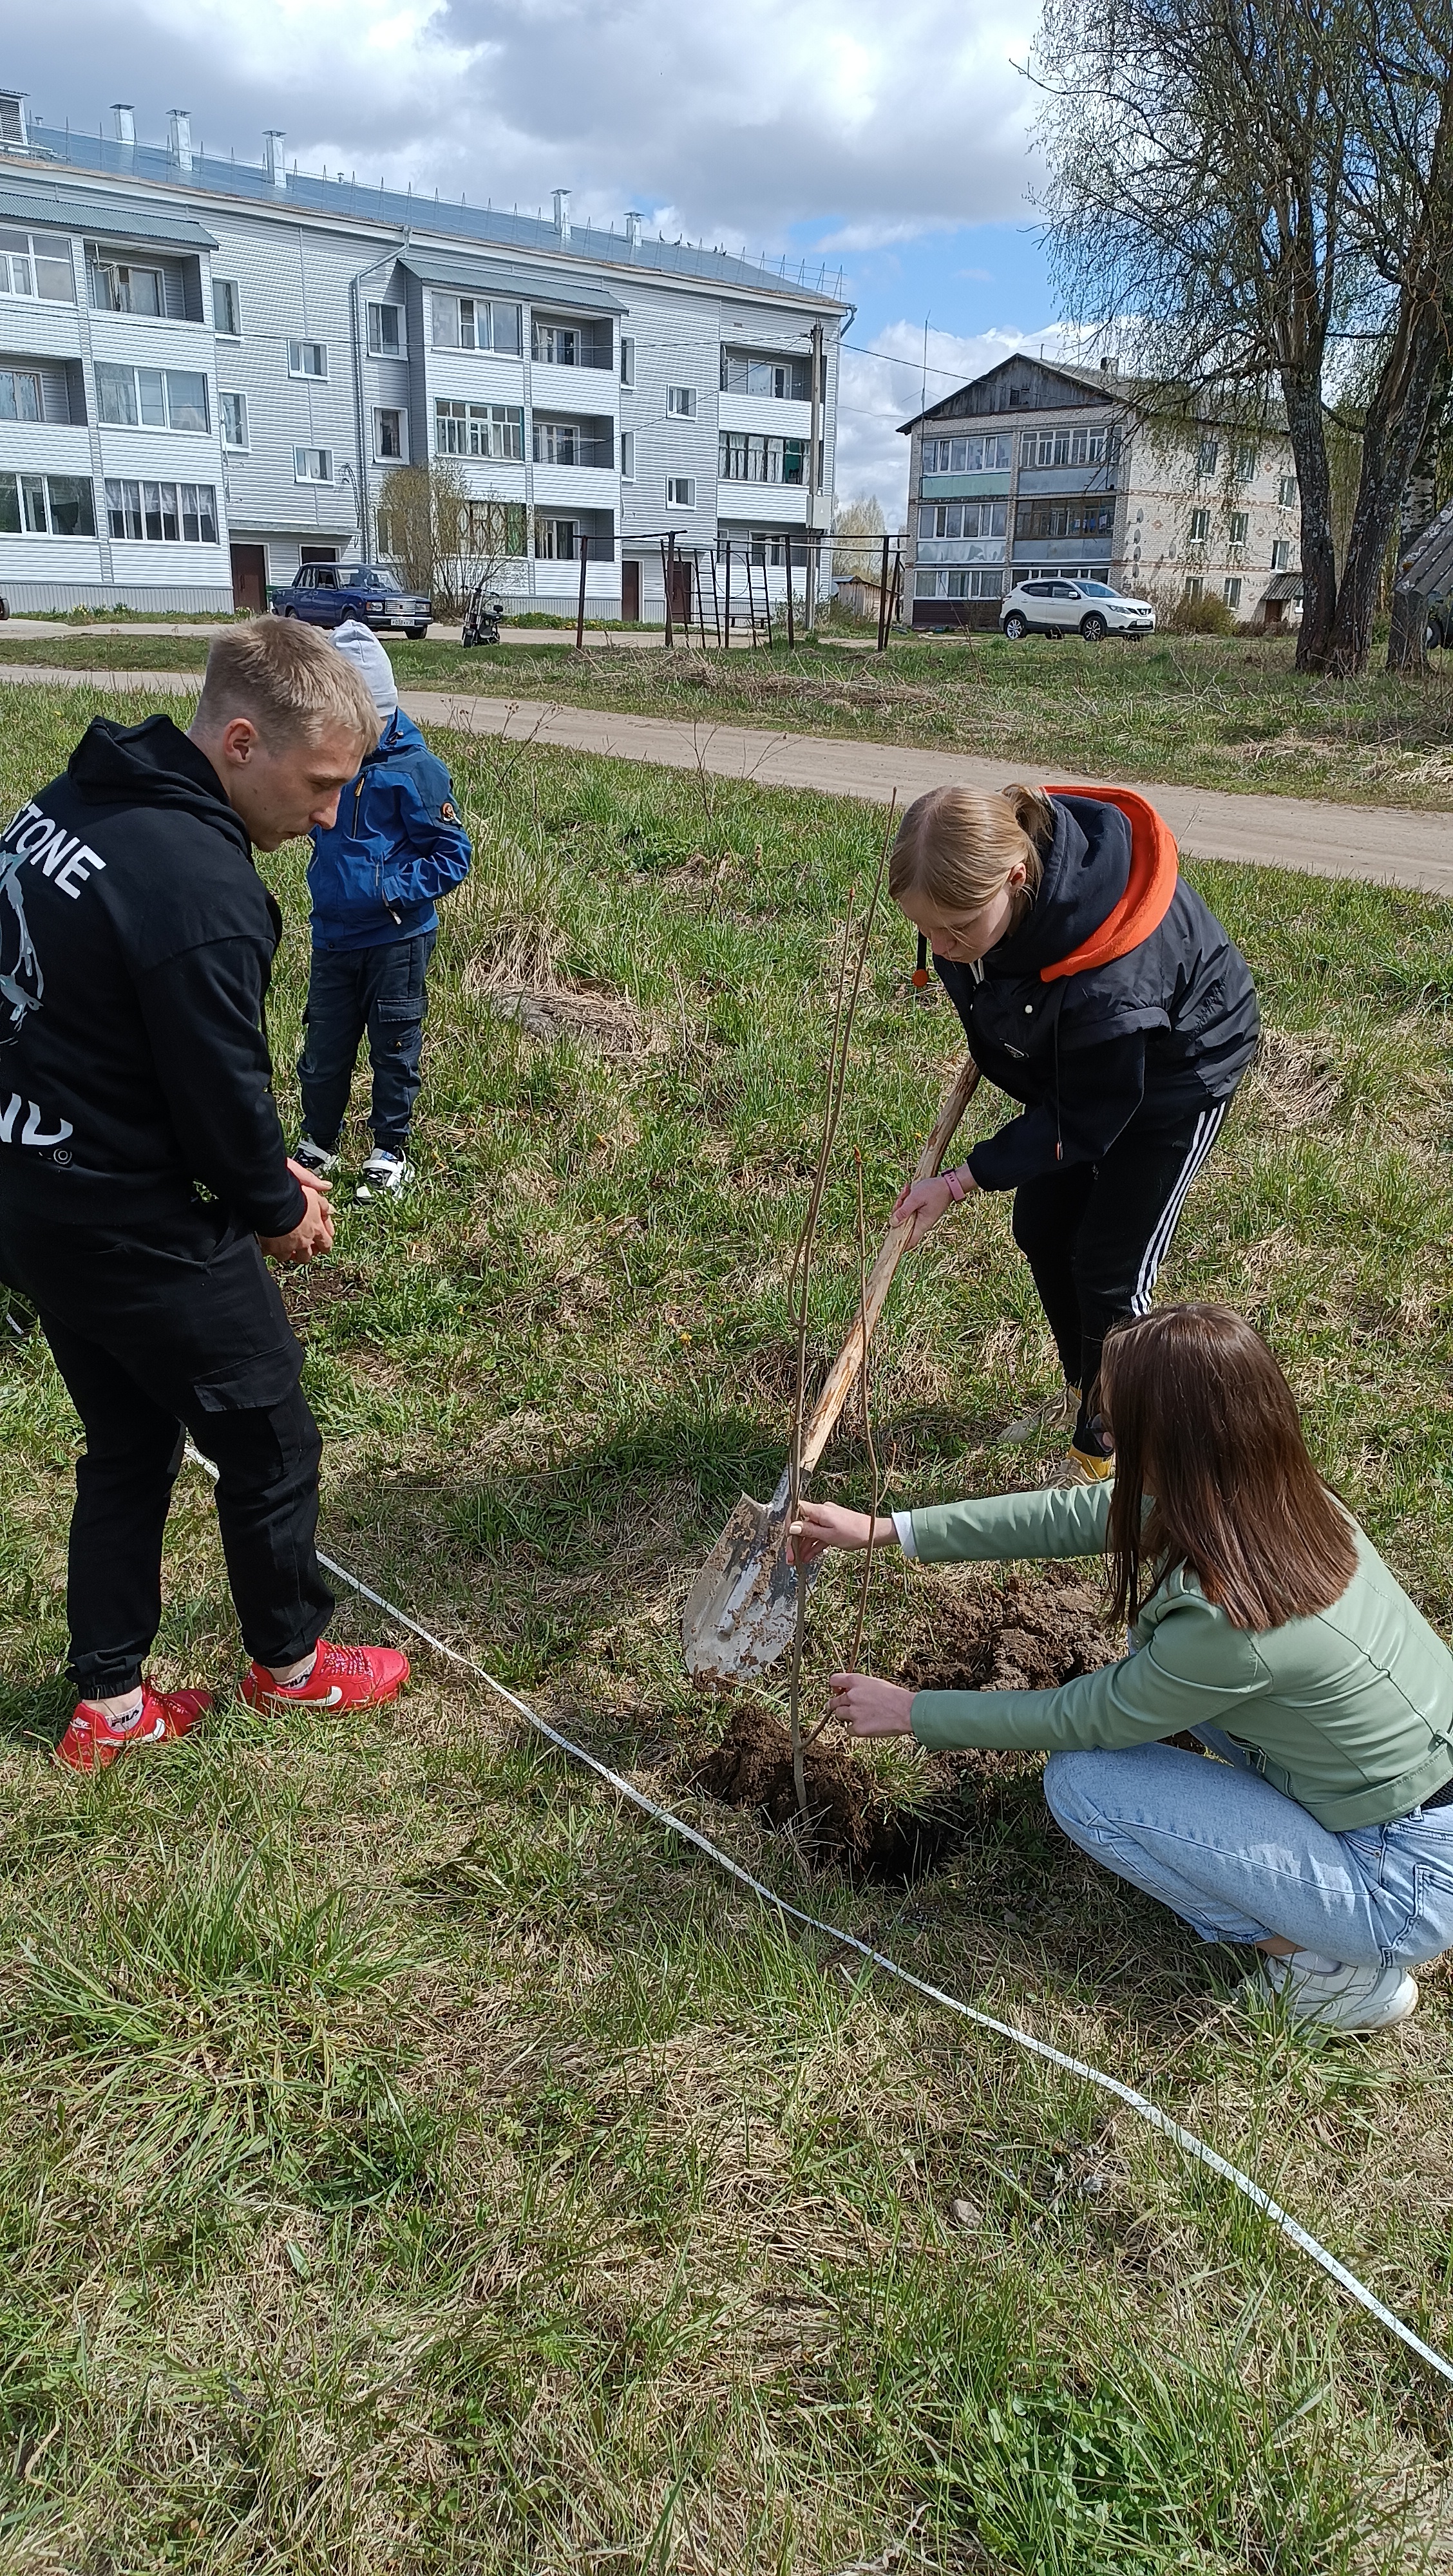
(1030, 1633)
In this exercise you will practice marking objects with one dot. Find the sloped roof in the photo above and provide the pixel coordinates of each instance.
(1428, 563)
(552, 289)
(35, 201)
(1283, 585)
(1103, 386)
(399, 209)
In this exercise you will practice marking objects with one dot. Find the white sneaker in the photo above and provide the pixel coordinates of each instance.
(313, 1158)
(384, 1175)
(1334, 1998)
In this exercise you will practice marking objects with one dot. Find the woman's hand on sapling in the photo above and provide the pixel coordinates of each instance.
(871, 1707)
(819, 1526)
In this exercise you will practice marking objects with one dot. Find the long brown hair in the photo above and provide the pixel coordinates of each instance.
(957, 847)
(1212, 1472)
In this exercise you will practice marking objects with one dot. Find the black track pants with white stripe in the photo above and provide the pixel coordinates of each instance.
(1095, 1234)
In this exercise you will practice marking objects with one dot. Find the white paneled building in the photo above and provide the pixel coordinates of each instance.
(209, 370)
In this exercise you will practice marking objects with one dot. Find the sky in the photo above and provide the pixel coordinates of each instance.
(894, 143)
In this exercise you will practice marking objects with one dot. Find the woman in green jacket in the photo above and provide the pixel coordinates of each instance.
(1263, 1623)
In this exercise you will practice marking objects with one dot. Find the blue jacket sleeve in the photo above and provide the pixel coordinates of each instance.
(431, 851)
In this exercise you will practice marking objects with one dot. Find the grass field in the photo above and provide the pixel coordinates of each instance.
(1193, 711)
(414, 2161)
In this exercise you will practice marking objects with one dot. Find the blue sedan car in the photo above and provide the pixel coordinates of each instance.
(325, 594)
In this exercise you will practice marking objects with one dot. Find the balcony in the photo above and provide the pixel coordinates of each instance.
(589, 443)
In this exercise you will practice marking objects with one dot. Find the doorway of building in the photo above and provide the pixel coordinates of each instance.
(249, 579)
(680, 593)
(631, 594)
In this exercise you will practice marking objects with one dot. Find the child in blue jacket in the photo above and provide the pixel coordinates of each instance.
(397, 843)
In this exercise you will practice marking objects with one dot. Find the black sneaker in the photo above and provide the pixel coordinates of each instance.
(315, 1158)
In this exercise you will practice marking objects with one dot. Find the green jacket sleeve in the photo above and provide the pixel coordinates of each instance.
(1195, 1670)
(1070, 1522)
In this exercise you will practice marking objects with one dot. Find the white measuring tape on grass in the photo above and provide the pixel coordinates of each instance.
(1185, 2139)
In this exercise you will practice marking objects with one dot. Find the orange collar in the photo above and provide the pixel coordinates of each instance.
(1147, 897)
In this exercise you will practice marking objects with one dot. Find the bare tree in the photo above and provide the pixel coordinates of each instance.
(445, 537)
(1244, 195)
(857, 539)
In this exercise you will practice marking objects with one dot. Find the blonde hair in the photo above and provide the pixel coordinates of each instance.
(956, 848)
(289, 680)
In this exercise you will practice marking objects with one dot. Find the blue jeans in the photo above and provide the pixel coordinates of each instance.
(382, 990)
(1237, 1861)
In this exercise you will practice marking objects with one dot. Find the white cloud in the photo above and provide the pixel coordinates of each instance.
(875, 397)
(746, 122)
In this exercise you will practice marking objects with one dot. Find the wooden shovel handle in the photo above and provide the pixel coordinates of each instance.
(895, 1243)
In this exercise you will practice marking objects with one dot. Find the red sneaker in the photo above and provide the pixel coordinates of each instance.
(342, 1677)
(93, 1739)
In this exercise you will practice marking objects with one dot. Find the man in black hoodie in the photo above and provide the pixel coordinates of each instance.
(143, 1172)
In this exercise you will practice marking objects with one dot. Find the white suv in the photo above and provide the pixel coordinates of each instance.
(1060, 607)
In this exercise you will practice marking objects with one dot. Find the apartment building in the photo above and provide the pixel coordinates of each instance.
(209, 369)
(1036, 469)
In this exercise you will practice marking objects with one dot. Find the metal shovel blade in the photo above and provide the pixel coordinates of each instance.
(742, 1612)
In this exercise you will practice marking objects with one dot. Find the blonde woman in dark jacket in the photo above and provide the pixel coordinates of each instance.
(1099, 991)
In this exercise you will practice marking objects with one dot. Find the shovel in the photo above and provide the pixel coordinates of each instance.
(742, 1612)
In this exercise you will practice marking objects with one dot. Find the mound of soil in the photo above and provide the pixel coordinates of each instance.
(1032, 1633)
(852, 1823)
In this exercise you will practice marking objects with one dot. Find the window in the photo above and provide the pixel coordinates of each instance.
(122, 286)
(152, 397)
(169, 514)
(1206, 455)
(555, 539)
(1200, 527)
(961, 519)
(967, 455)
(479, 429)
(1048, 447)
(1246, 462)
(467, 322)
(1237, 527)
(1286, 492)
(557, 344)
(312, 464)
(680, 491)
(958, 585)
(233, 408)
(496, 527)
(628, 363)
(1231, 591)
(681, 402)
(780, 379)
(307, 358)
(226, 309)
(36, 264)
(387, 337)
(1281, 555)
(1195, 586)
(1081, 514)
(743, 456)
(574, 442)
(388, 434)
(628, 456)
(20, 395)
(46, 505)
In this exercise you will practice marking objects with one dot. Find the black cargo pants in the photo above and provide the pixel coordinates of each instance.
(158, 1339)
